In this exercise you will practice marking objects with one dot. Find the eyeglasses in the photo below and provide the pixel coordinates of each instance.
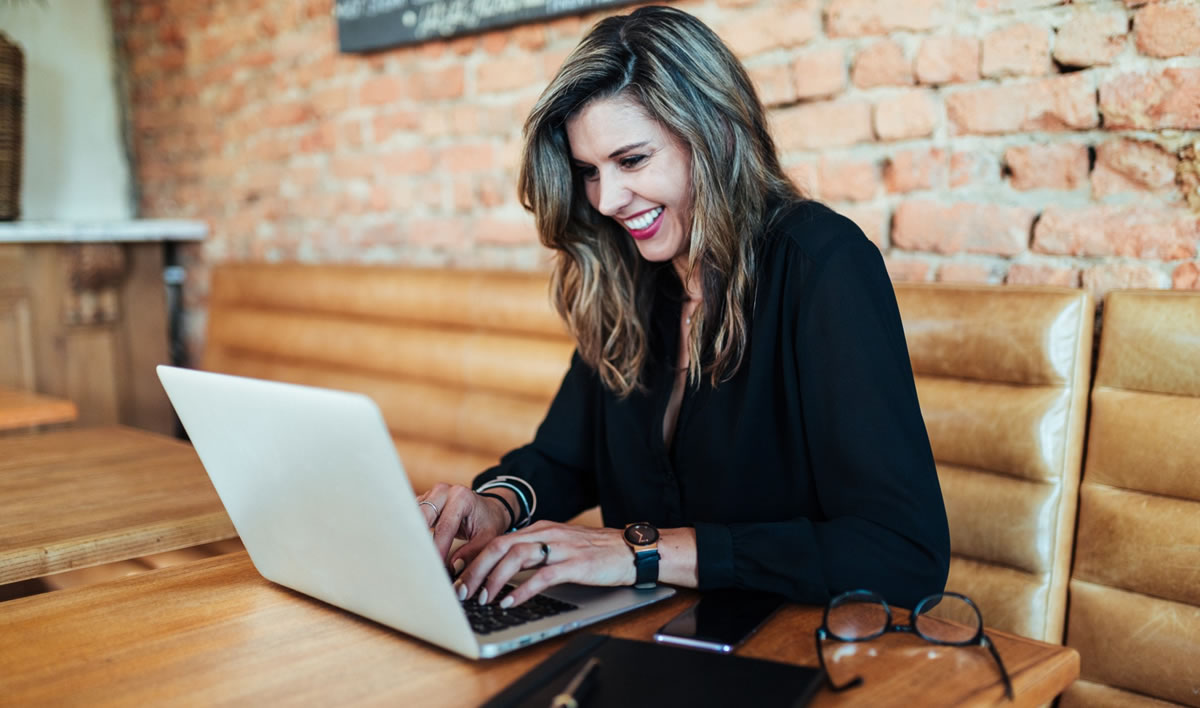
(947, 618)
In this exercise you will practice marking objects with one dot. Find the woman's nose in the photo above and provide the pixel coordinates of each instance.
(614, 195)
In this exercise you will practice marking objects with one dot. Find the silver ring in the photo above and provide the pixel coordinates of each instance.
(436, 511)
(545, 555)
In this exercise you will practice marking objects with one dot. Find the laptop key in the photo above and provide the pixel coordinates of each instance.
(485, 619)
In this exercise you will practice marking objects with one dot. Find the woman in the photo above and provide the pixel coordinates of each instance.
(741, 383)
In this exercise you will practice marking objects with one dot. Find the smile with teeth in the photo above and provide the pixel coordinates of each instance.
(643, 221)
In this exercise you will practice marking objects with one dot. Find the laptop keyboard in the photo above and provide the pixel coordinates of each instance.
(491, 617)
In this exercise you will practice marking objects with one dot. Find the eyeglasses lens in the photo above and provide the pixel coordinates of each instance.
(951, 620)
(857, 618)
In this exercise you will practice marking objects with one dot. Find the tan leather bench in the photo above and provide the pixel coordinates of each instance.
(1135, 588)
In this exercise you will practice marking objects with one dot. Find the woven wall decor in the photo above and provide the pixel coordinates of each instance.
(12, 103)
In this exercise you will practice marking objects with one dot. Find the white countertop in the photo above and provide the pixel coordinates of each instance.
(102, 231)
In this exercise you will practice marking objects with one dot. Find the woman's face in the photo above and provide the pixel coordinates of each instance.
(636, 173)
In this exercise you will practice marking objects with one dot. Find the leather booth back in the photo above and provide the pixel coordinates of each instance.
(463, 364)
(1002, 376)
(1135, 588)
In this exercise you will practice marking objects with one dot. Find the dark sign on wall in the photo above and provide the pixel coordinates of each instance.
(368, 25)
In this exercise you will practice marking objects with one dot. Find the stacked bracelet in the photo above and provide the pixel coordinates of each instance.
(512, 517)
(514, 484)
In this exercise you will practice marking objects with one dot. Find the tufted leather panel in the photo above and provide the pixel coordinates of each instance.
(463, 364)
(1085, 694)
(1002, 377)
(1136, 642)
(1135, 588)
(972, 334)
(1151, 340)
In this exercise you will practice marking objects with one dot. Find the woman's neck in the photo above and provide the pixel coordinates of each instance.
(692, 287)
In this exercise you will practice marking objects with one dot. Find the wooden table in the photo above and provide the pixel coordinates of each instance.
(81, 497)
(23, 409)
(214, 632)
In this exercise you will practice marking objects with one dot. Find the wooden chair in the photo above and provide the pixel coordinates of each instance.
(1002, 376)
(1135, 588)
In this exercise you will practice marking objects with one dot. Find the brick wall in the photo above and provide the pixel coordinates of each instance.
(1000, 141)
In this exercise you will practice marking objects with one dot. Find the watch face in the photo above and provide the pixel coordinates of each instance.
(641, 534)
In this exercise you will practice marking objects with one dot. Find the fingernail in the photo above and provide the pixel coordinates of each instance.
(483, 596)
(462, 590)
(506, 603)
(459, 564)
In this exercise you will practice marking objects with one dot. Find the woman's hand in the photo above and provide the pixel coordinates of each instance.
(574, 554)
(454, 511)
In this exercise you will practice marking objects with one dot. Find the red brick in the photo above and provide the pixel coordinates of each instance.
(1060, 103)
(821, 125)
(552, 60)
(968, 168)
(1140, 167)
(1168, 29)
(906, 269)
(1017, 50)
(381, 90)
(1132, 231)
(1169, 98)
(415, 161)
(508, 73)
(804, 176)
(872, 221)
(820, 72)
(1186, 277)
(436, 232)
(493, 191)
(774, 27)
(463, 193)
(1023, 274)
(908, 115)
(990, 6)
(856, 18)
(385, 125)
(882, 64)
(964, 273)
(438, 83)
(530, 37)
(847, 180)
(1090, 38)
(494, 42)
(774, 84)
(910, 170)
(964, 227)
(507, 231)
(1101, 280)
(466, 158)
(1061, 166)
(948, 60)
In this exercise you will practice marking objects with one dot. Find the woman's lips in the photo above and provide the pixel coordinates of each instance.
(649, 231)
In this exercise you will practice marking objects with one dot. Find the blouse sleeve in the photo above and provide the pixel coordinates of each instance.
(558, 463)
(883, 523)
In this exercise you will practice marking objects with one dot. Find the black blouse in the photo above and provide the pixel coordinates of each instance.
(807, 474)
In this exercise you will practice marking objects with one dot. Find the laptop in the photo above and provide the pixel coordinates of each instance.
(312, 482)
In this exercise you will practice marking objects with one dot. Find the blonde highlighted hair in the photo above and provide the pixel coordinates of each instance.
(676, 69)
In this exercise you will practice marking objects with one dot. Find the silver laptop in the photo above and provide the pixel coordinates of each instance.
(313, 484)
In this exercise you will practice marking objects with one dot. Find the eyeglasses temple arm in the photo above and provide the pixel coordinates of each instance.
(1008, 689)
(856, 681)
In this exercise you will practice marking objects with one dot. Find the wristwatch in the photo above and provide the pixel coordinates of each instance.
(642, 539)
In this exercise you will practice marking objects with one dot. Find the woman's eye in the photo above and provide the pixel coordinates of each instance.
(632, 160)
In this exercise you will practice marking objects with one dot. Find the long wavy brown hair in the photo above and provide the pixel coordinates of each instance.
(677, 70)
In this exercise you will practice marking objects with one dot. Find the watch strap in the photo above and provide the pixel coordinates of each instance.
(646, 563)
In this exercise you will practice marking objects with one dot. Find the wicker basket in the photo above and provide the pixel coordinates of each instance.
(12, 102)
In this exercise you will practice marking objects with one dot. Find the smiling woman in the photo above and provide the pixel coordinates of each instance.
(740, 404)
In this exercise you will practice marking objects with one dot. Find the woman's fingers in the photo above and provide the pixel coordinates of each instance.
(544, 578)
(432, 502)
(519, 557)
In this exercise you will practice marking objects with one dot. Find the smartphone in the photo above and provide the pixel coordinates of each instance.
(720, 621)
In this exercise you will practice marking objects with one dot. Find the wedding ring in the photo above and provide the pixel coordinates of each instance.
(436, 511)
(545, 555)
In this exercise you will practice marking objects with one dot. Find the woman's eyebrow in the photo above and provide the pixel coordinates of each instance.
(627, 148)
